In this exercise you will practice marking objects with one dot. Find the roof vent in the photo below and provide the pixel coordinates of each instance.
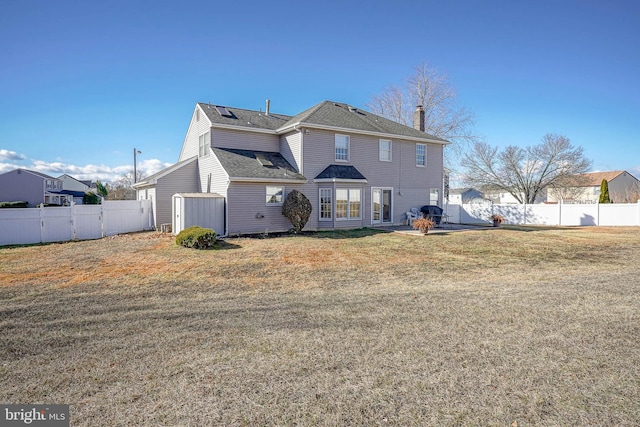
(353, 109)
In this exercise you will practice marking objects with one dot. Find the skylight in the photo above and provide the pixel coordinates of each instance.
(223, 111)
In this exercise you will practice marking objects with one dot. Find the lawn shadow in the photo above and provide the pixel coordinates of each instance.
(349, 234)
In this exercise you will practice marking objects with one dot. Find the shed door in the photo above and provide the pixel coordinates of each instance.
(178, 215)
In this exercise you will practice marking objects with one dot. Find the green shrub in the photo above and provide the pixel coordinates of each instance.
(18, 204)
(90, 198)
(197, 237)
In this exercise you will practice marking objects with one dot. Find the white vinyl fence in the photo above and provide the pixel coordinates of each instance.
(541, 214)
(76, 222)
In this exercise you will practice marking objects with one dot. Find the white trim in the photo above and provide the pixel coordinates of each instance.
(330, 189)
(345, 180)
(390, 189)
(244, 128)
(164, 173)
(390, 150)
(207, 145)
(295, 126)
(335, 202)
(283, 189)
(335, 147)
(268, 180)
(418, 165)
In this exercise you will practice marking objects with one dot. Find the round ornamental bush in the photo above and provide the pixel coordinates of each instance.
(197, 238)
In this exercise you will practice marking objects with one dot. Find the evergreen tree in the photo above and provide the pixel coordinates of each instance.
(604, 192)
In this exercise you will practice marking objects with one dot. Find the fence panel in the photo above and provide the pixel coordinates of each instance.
(614, 214)
(57, 225)
(618, 214)
(20, 226)
(87, 221)
(126, 216)
(81, 222)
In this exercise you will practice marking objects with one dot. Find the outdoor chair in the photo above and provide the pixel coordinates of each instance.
(412, 215)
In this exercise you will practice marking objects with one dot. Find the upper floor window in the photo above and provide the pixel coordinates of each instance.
(342, 148)
(205, 144)
(421, 155)
(275, 195)
(384, 150)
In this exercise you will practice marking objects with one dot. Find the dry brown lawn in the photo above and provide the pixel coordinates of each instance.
(504, 327)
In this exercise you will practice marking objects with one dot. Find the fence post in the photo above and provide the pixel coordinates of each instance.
(102, 216)
(42, 222)
(560, 212)
(74, 235)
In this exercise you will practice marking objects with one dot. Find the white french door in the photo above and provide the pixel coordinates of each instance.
(381, 204)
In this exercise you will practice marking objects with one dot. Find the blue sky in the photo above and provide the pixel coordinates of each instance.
(83, 83)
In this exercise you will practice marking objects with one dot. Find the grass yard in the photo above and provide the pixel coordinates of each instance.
(505, 327)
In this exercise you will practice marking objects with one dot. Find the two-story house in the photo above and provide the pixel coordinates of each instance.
(585, 188)
(356, 168)
(32, 187)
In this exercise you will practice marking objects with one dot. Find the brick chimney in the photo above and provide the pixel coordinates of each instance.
(418, 118)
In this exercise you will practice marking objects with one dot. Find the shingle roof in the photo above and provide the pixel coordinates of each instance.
(252, 165)
(340, 172)
(244, 118)
(595, 178)
(340, 115)
(151, 178)
(325, 114)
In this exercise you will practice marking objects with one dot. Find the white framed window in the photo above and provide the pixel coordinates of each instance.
(205, 145)
(342, 148)
(326, 204)
(434, 196)
(384, 150)
(421, 155)
(348, 203)
(274, 195)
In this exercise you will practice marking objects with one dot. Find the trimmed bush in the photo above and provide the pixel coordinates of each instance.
(197, 238)
(18, 204)
(297, 209)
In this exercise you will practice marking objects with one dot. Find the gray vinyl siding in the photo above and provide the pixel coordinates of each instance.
(190, 146)
(246, 201)
(23, 186)
(291, 149)
(411, 184)
(183, 180)
(226, 138)
(213, 178)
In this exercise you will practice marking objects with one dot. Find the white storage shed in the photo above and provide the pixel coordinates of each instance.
(202, 209)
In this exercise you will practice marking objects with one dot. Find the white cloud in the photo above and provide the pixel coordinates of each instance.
(88, 172)
(10, 155)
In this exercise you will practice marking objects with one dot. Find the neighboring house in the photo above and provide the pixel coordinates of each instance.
(32, 187)
(356, 168)
(506, 198)
(460, 196)
(585, 188)
(75, 188)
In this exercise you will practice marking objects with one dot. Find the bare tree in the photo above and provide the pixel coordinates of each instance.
(569, 189)
(122, 189)
(431, 89)
(524, 172)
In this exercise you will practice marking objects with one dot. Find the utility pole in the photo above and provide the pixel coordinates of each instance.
(135, 164)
